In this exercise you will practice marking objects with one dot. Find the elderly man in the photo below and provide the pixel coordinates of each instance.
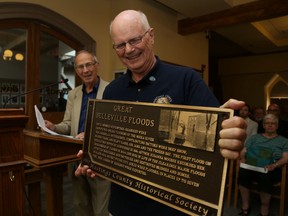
(148, 79)
(91, 196)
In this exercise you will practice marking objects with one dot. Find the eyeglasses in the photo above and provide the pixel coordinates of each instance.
(273, 110)
(131, 42)
(270, 123)
(88, 66)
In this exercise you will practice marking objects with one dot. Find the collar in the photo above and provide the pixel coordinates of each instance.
(95, 88)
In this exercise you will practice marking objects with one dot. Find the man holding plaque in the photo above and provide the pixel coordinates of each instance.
(148, 79)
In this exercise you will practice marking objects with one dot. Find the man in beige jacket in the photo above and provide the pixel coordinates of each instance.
(90, 196)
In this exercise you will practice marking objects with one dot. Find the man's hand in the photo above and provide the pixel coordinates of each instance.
(84, 170)
(233, 133)
(49, 125)
(80, 136)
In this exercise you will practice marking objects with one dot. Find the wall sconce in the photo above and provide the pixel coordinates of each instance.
(7, 55)
(19, 57)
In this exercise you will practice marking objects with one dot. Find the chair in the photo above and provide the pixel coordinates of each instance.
(279, 192)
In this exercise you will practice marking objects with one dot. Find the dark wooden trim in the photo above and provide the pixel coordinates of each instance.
(12, 10)
(250, 12)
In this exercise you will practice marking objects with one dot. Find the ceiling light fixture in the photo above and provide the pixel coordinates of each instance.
(19, 57)
(7, 54)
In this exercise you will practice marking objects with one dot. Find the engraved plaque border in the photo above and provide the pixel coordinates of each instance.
(166, 152)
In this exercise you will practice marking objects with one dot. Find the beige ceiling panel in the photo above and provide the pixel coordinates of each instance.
(276, 30)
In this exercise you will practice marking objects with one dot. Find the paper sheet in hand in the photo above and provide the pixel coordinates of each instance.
(254, 168)
(41, 123)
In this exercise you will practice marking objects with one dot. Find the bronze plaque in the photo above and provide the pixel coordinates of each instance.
(168, 153)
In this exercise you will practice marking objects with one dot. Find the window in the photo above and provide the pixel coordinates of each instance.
(46, 46)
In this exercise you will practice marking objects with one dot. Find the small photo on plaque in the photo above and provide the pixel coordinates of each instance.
(190, 129)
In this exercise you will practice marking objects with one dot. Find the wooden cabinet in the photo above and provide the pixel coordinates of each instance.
(12, 123)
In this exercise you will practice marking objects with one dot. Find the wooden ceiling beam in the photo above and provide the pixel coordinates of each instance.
(250, 12)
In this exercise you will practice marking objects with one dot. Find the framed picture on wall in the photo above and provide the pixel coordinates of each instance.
(42, 99)
(5, 87)
(14, 99)
(22, 99)
(14, 88)
(22, 87)
(5, 98)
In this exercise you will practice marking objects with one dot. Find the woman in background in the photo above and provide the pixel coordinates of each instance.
(268, 150)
